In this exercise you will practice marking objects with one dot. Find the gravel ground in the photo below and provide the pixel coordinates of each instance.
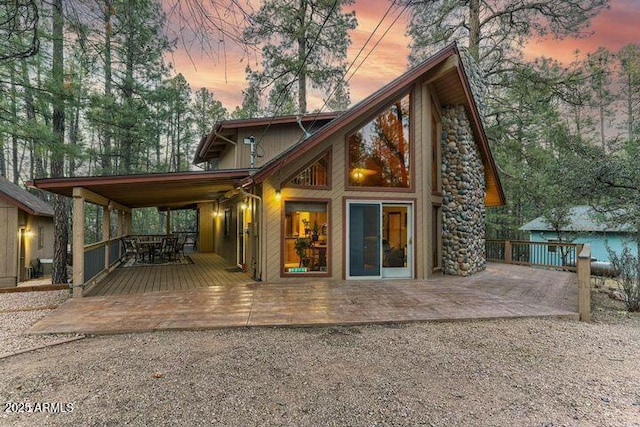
(20, 310)
(528, 372)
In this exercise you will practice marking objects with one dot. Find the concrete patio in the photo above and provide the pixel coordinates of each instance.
(502, 291)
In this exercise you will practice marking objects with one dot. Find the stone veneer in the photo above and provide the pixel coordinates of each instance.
(463, 191)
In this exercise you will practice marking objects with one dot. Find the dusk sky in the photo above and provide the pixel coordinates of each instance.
(224, 74)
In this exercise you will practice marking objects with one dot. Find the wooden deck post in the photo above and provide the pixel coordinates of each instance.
(106, 233)
(507, 251)
(167, 224)
(78, 245)
(584, 283)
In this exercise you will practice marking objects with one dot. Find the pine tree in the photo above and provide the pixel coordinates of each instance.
(304, 42)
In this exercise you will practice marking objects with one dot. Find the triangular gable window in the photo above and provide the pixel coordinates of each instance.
(315, 174)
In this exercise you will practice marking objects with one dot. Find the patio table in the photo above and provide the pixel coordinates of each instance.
(152, 246)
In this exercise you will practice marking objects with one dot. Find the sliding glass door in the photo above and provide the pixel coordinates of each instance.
(379, 239)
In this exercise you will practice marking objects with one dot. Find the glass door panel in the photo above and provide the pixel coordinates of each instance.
(396, 240)
(364, 240)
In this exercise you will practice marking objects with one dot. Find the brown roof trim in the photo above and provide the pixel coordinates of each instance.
(23, 199)
(24, 207)
(277, 120)
(366, 106)
(59, 183)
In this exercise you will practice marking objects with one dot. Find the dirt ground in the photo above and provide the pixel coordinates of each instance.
(525, 372)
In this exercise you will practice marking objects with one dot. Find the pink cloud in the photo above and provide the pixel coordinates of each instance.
(612, 28)
(224, 73)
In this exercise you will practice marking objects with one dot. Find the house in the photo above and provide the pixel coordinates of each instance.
(26, 231)
(583, 227)
(394, 187)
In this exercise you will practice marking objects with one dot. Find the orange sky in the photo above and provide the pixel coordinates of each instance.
(223, 73)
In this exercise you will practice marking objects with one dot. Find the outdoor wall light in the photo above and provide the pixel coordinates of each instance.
(243, 205)
(278, 195)
(28, 234)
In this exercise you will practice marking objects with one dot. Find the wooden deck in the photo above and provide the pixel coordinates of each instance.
(502, 291)
(206, 270)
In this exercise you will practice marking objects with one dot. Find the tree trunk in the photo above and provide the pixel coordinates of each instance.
(106, 152)
(474, 29)
(14, 118)
(302, 53)
(61, 237)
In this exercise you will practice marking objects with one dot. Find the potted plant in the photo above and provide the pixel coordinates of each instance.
(301, 245)
(316, 231)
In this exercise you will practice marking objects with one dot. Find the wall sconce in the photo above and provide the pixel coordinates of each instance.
(278, 195)
(243, 205)
(28, 233)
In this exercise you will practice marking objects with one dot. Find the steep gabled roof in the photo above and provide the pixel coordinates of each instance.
(23, 200)
(445, 72)
(581, 219)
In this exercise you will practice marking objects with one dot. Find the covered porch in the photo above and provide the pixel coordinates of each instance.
(116, 197)
(200, 270)
(502, 291)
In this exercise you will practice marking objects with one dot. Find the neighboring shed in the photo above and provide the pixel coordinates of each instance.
(26, 232)
(585, 227)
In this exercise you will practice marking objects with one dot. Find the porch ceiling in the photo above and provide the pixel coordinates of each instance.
(172, 190)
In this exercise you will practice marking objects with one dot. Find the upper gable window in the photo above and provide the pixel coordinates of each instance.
(315, 174)
(379, 151)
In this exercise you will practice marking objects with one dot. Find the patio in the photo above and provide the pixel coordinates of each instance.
(205, 295)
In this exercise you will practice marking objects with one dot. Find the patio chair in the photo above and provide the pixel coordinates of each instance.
(129, 248)
(140, 251)
(168, 248)
(179, 248)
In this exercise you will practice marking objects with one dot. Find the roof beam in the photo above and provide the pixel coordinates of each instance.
(90, 196)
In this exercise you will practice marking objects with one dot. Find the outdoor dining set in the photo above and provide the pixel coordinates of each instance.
(154, 248)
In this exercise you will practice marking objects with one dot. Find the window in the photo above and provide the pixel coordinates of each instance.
(306, 237)
(379, 152)
(315, 174)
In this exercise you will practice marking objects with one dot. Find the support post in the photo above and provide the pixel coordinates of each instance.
(106, 233)
(127, 223)
(167, 225)
(78, 246)
(507, 252)
(120, 224)
(584, 283)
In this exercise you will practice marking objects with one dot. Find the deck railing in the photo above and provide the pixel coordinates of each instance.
(96, 260)
(556, 255)
(540, 254)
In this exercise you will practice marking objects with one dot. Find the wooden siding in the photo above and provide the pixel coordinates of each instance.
(226, 244)
(35, 223)
(421, 164)
(9, 245)
(273, 141)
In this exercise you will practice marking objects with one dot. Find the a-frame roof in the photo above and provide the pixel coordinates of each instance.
(445, 72)
(23, 200)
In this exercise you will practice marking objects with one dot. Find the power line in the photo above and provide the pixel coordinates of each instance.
(407, 4)
(280, 99)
